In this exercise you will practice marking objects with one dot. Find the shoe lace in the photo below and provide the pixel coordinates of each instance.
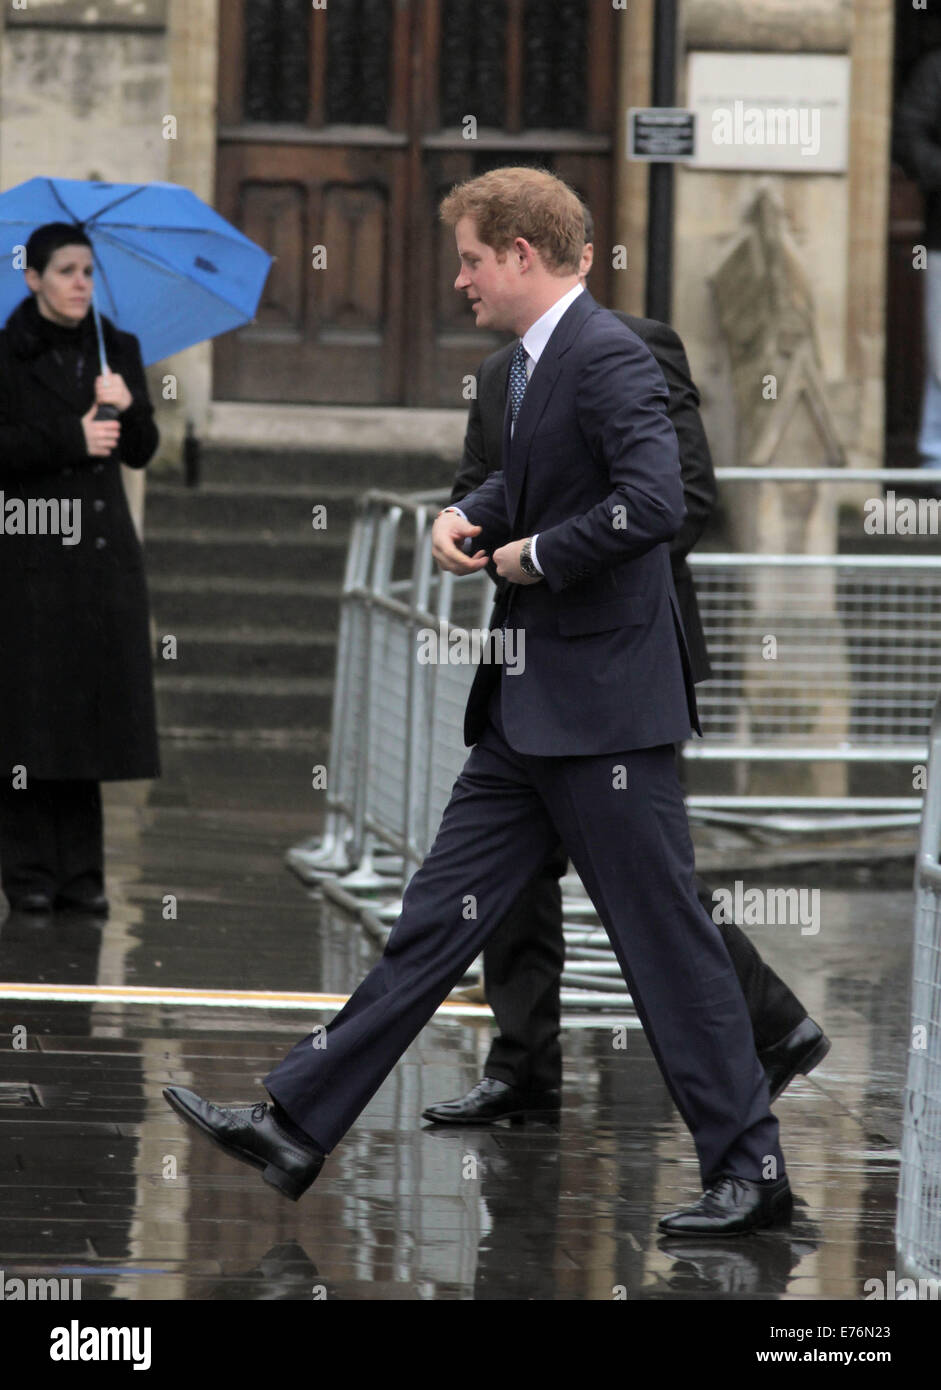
(713, 1193)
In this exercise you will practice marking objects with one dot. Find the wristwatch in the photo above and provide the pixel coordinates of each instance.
(526, 560)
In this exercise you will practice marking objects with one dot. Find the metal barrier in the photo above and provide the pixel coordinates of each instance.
(855, 668)
(918, 1221)
(395, 744)
(860, 640)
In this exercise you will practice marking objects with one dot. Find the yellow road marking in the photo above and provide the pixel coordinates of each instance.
(220, 998)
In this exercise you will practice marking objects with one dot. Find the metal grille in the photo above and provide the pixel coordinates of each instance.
(825, 651)
(918, 1223)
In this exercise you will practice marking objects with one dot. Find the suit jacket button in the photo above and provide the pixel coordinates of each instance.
(99, 505)
(100, 542)
(98, 468)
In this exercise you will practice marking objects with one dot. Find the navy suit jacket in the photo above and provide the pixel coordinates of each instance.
(593, 467)
(483, 449)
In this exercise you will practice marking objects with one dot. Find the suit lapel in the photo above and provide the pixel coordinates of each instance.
(535, 401)
(507, 443)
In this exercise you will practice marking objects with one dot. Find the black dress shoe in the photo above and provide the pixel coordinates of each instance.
(96, 905)
(31, 902)
(251, 1133)
(800, 1051)
(493, 1100)
(730, 1207)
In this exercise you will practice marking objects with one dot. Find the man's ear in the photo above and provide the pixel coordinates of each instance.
(524, 253)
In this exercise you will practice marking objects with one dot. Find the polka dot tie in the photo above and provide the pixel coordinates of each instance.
(518, 379)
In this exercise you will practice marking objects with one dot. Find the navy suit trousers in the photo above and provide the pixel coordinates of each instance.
(622, 819)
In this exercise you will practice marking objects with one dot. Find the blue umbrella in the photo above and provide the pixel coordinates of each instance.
(167, 267)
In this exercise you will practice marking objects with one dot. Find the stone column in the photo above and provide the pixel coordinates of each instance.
(870, 161)
(193, 37)
(635, 64)
(767, 315)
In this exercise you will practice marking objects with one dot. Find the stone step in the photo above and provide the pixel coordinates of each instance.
(234, 506)
(313, 556)
(226, 603)
(245, 703)
(247, 652)
(250, 590)
(397, 472)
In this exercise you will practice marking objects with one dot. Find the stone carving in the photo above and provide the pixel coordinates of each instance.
(801, 679)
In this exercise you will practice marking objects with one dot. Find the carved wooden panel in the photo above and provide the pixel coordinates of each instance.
(273, 214)
(354, 231)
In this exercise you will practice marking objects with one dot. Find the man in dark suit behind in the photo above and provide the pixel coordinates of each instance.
(576, 745)
(523, 960)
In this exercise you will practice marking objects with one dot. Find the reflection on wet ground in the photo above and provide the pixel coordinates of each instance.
(100, 1181)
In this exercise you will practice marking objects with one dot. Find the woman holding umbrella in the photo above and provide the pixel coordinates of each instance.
(76, 678)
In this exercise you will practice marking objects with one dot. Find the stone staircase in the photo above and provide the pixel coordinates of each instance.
(250, 591)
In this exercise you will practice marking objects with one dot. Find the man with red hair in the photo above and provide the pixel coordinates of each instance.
(577, 746)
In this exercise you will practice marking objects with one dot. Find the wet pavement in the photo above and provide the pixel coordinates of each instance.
(100, 1181)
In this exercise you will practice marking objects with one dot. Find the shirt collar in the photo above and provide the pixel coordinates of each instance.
(539, 333)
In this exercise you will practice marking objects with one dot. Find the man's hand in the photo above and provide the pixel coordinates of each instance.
(111, 390)
(447, 534)
(101, 436)
(507, 561)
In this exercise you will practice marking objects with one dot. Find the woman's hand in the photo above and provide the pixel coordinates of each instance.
(111, 390)
(101, 436)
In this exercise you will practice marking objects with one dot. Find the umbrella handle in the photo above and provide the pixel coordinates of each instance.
(103, 361)
(104, 412)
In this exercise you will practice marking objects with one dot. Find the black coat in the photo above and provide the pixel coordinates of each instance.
(483, 446)
(76, 670)
(916, 142)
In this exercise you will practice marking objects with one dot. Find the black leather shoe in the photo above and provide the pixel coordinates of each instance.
(252, 1134)
(730, 1207)
(493, 1100)
(95, 906)
(31, 902)
(800, 1051)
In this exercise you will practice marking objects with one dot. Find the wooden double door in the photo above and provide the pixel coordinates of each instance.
(342, 127)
